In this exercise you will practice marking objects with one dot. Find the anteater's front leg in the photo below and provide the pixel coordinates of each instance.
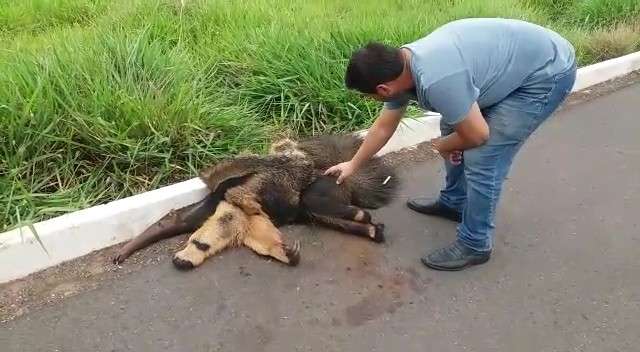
(265, 239)
(186, 219)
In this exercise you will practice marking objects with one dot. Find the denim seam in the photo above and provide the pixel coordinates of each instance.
(492, 206)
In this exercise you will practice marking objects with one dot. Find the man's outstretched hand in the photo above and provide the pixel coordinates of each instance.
(342, 170)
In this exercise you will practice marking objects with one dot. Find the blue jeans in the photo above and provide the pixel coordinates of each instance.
(474, 186)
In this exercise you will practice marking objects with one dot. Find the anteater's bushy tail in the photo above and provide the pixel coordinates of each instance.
(373, 186)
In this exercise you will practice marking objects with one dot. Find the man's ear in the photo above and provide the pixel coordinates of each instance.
(383, 90)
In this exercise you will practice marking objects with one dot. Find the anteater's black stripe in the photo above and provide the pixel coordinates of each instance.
(201, 246)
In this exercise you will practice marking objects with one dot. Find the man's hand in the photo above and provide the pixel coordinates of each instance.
(454, 157)
(342, 170)
(471, 132)
(377, 136)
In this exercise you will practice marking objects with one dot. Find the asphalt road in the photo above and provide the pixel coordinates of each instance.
(565, 275)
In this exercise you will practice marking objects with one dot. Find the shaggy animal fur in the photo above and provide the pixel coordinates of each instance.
(257, 194)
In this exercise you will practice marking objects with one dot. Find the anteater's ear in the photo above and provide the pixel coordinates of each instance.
(227, 173)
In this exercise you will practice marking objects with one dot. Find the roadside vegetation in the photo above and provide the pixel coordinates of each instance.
(102, 99)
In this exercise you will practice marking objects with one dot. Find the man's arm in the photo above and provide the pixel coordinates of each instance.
(377, 136)
(471, 132)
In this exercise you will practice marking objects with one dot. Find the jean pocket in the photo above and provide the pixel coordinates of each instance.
(562, 75)
(531, 100)
(513, 121)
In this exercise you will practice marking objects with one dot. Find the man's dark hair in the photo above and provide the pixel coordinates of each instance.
(372, 65)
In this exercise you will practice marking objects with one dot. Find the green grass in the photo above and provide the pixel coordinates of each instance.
(37, 16)
(104, 99)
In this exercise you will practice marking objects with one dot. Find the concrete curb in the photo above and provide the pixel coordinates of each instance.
(607, 70)
(75, 234)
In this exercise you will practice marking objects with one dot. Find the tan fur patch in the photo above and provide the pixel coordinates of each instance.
(265, 239)
(228, 226)
(287, 147)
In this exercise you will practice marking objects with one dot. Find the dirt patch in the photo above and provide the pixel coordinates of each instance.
(381, 289)
(390, 292)
(372, 306)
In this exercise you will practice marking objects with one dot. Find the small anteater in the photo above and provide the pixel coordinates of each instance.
(251, 196)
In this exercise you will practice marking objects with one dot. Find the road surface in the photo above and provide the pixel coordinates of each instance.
(565, 274)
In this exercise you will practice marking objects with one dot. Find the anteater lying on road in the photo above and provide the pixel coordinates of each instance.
(251, 196)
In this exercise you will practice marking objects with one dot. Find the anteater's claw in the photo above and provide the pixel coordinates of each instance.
(293, 253)
(120, 257)
(379, 233)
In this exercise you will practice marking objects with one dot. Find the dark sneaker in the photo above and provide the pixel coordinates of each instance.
(433, 207)
(455, 257)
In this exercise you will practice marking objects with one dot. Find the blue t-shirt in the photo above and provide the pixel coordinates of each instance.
(483, 60)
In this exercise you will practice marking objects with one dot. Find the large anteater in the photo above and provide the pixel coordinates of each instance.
(251, 196)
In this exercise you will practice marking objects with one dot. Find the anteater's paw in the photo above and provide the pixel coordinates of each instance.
(188, 258)
(293, 253)
(363, 216)
(377, 233)
(182, 264)
(121, 256)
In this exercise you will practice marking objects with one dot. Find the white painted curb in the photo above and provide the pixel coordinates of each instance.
(606, 70)
(75, 234)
